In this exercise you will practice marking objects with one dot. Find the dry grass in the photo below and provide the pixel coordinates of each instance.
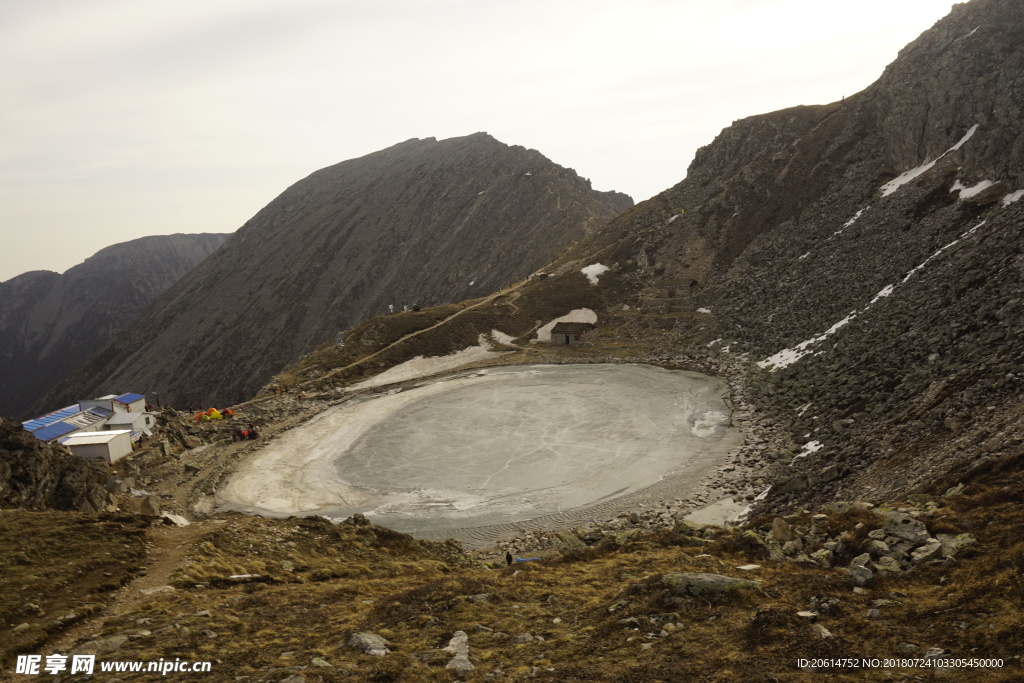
(601, 613)
(64, 563)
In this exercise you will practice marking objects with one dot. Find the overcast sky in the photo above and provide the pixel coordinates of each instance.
(124, 118)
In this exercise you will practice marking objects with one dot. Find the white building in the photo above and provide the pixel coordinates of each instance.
(125, 403)
(110, 446)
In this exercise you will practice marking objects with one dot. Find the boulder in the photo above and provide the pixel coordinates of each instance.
(823, 558)
(932, 550)
(861, 576)
(876, 548)
(370, 643)
(459, 646)
(100, 646)
(952, 544)
(781, 530)
(704, 585)
(906, 527)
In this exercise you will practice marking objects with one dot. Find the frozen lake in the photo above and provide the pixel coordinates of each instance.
(495, 448)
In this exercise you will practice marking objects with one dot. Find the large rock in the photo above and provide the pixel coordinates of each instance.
(704, 585)
(932, 550)
(781, 530)
(954, 543)
(369, 642)
(459, 646)
(906, 527)
(101, 646)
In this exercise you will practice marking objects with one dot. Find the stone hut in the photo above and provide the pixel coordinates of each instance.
(573, 333)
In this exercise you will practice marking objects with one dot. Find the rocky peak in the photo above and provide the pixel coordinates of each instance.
(422, 222)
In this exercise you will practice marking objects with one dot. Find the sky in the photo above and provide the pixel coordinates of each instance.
(126, 118)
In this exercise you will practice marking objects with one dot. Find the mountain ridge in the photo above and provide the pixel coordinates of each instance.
(50, 322)
(466, 215)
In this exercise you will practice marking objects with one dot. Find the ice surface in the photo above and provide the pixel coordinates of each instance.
(809, 447)
(492, 447)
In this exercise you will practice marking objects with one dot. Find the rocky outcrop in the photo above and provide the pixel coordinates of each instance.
(50, 322)
(40, 476)
(423, 222)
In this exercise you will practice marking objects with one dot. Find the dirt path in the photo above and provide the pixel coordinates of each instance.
(167, 546)
(489, 298)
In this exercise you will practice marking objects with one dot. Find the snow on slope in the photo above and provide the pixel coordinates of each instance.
(787, 357)
(907, 176)
(593, 271)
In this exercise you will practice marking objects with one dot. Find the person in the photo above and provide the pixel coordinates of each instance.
(508, 558)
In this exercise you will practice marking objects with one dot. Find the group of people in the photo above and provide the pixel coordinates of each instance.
(240, 434)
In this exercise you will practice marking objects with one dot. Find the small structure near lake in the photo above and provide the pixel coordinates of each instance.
(568, 334)
(109, 446)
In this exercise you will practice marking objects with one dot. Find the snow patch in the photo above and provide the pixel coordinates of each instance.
(855, 217)
(809, 447)
(672, 219)
(787, 357)
(593, 271)
(503, 338)
(968, 192)
(968, 35)
(1012, 197)
(703, 310)
(579, 315)
(886, 291)
(803, 256)
(851, 221)
(907, 176)
(927, 260)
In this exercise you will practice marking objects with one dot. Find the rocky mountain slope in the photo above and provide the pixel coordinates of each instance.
(50, 322)
(869, 331)
(423, 222)
(866, 255)
(40, 476)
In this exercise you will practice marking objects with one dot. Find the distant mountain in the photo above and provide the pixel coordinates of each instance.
(49, 323)
(422, 222)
